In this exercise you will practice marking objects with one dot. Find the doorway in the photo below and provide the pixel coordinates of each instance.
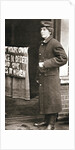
(22, 33)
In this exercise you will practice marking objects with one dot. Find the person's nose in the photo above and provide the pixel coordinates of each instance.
(42, 31)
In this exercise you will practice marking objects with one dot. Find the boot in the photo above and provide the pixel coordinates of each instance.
(40, 124)
(50, 127)
(51, 120)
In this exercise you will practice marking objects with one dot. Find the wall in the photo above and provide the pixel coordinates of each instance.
(65, 98)
(64, 70)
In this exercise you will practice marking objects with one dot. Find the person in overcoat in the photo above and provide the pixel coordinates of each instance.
(51, 57)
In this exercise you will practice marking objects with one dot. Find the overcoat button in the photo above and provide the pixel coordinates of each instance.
(40, 84)
(39, 53)
(42, 44)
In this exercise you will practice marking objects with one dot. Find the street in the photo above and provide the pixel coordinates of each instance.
(27, 123)
(21, 115)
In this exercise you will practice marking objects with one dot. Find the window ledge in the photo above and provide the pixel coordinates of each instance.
(64, 80)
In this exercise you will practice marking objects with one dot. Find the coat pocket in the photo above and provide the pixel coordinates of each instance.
(52, 72)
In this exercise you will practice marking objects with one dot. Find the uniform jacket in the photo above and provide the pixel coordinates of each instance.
(53, 55)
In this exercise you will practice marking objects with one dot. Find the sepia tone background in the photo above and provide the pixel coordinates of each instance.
(26, 33)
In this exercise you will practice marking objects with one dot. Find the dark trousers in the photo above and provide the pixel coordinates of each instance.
(51, 118)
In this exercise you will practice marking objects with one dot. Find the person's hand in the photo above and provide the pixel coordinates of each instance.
(37, 81)
(41, 64)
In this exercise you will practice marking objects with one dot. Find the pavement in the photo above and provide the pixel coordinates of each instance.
(27, 123)
(21, 115)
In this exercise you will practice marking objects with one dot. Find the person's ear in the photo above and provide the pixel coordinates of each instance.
(50, 32)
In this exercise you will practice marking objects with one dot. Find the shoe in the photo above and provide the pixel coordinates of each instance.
(50, 127)
(40, 124)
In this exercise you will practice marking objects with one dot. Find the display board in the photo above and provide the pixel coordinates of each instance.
(16, 69)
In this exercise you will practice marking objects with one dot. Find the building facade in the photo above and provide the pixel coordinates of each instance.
(26, 33)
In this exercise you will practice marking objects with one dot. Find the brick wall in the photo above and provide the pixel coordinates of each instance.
(65, 98)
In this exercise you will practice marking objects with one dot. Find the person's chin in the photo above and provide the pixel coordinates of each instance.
(43, 37)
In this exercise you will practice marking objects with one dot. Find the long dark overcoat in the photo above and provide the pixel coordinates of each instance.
(53, 55)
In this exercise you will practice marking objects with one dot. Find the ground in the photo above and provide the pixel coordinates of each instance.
(21, 115)
(26, 123)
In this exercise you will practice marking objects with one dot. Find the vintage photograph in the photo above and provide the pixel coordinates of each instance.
(36, 74)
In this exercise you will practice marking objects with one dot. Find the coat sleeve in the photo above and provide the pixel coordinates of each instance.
(59, 59)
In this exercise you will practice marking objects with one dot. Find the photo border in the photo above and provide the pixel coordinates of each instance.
(2, 88)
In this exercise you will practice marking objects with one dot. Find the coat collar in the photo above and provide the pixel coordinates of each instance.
(48, 39)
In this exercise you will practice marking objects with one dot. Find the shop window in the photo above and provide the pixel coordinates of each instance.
(64, 39)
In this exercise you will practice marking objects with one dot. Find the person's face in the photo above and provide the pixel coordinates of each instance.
(45, 32)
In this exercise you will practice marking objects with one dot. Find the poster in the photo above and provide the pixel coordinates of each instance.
(16, 60)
